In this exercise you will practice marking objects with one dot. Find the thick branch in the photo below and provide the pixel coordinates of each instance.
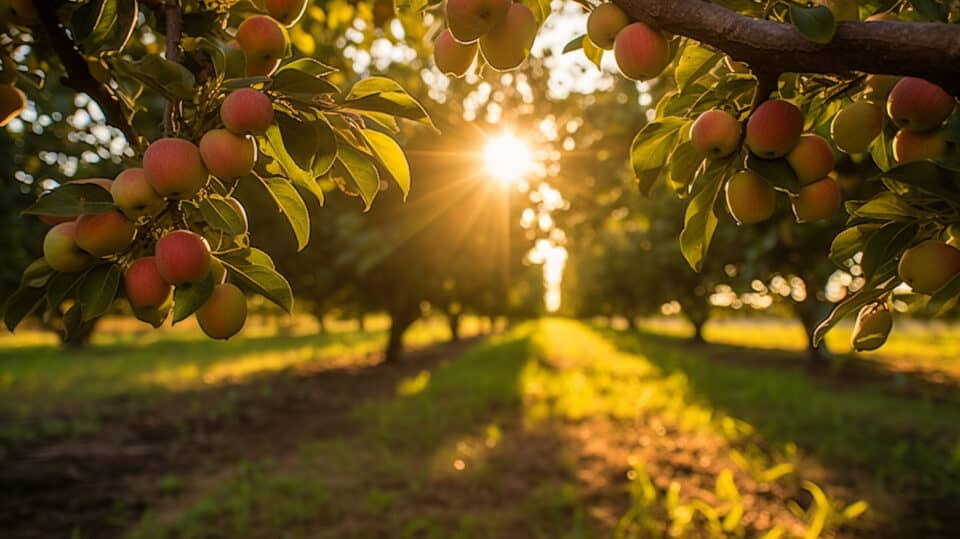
(174, 22)
(78, 72)
(926, 50)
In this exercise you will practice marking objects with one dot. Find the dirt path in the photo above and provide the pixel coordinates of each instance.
(100, 483)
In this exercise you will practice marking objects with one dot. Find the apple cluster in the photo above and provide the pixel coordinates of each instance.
(774, 131)
(502, 31)
(149, 232)
(12, 99)
(642, 52)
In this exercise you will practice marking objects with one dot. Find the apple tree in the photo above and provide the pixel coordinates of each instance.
(192, 99)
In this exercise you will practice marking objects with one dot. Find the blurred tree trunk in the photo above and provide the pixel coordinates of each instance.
(79, 338)
(453, 320)
(698, 312)
(318, 315)
(632, 322)
(361, 323)
(811, 311)
(401, 318)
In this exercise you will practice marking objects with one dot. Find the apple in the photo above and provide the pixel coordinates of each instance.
(134, 195)
(144, 286)
(61, 251)
(174, 168)
(910, 146)
(604, 23)
(818, 200)
(715, 134)
(12, 103)
(247, 111)
(918, 105)
(811, 159)
(506, 45)
(470, 19)
(104, 234)
(183, 257)
(774, 129)
(879, 87)
(856, 126)
(226, 155)
(641, 52)
(264, 43)
(750, 199)
(224, 313)
(929, 266)
(287, 12)
(872, 328)
(452, 57)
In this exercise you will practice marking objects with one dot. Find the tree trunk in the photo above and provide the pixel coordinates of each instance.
(698, 312)
(698, 331)
(453, 320)
(400, 320)
(810, 312)
(632, 322)
(320, 322)
(79, 338)
(361, 323)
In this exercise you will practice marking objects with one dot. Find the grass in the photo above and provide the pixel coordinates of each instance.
(562, 430)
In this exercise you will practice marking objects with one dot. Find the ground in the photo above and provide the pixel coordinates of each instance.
(552, 428)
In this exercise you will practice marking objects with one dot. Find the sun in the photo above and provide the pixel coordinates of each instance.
(507, 158)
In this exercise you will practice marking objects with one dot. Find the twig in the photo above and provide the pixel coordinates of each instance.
(766, 85)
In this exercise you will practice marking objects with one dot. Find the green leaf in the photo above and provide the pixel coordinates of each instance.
(359, 167)
(97, 290)
(252, 256)
(887, 206)
(884, 246)
(381, 94)
(655, 142)
(574, 44)
(304, 76)
(291, 205)
(816, 23)
(263, 280)
(72, 322)
(187, 298)
(700, 219)
(72, 199)
(930, 10)
(388, 152)
(850, 242)
(167, 78)
(853, 304)
(945, 299)
(20, 304)
(683, 167)
(777, 172)
(37, 274)
(327, 148)
(592, 52)
(695, 62)
(62, 285)
(880, 151)
(220, 214)
(925, 175)
(299, 176)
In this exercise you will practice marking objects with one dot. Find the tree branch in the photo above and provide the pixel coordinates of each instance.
(78, 76)
(927, 50)
(174, 24)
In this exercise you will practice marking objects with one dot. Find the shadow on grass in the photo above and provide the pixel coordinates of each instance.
(858, 427)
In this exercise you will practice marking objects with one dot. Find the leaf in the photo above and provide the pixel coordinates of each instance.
(264, 281)
(683, 166)
(299, 176)
(881, 152)
(72, 199)
(220, 214)
(887, 206)
(945, 299)
(883, 246)
(61, 285)
(850, 242)
(327, 148)
(700, 218)
(777, 172)
(855, 509)
(37, 274)
(252, 256)
(97, 290)
(291, 205)
(593, 52)
(304, 76)
(930, 10)
(654, 144)
(20, 304)
(388, 152)
(187, 298)
(695, 62)
(925, 175)
(852, 304)
(574, 44)
(159, 74)
(816, 23)
(360, 169)
(380, 94)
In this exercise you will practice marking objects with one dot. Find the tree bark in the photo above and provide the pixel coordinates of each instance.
(453, 321)
(400, 320)
(927, 50)
(697, 337)
(811, 311)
